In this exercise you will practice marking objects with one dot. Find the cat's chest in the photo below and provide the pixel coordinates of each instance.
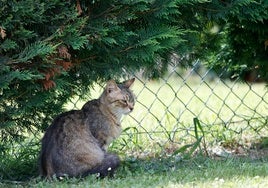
(113, 133)
(116, 131)
(104, 131)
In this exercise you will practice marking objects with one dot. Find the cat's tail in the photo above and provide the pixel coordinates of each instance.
(45, 168)
(109, 164)
(42, 167)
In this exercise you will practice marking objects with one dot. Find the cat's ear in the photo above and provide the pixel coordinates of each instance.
(111, 86)
(128, 83)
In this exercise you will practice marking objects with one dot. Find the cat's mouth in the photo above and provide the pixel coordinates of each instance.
(128, 110)
(131, 109)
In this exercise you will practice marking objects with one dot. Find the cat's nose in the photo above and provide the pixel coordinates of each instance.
(131, 108)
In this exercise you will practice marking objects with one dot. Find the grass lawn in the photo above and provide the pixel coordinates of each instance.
(169, 172)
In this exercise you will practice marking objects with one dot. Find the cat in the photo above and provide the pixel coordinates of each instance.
(76, 143)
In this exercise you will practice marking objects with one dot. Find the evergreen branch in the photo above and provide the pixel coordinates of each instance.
(105, 12)
(127, 48)
(209, 9)
(36, 49)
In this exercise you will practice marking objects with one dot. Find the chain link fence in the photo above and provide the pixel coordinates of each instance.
(228, 112)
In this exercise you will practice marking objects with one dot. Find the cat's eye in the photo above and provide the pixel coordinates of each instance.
(124, 101)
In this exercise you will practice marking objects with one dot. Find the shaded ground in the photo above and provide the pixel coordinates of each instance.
(171, 172)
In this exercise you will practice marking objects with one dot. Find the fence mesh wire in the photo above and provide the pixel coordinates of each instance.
(229, 111)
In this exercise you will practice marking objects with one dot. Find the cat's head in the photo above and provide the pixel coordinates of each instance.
(118, 97)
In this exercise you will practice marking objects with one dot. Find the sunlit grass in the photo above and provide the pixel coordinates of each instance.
(169, 172)
(211, 102)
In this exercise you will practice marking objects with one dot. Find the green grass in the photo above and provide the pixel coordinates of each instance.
(172, 172)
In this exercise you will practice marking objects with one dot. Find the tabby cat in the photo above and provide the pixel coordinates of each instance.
(76, 143)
